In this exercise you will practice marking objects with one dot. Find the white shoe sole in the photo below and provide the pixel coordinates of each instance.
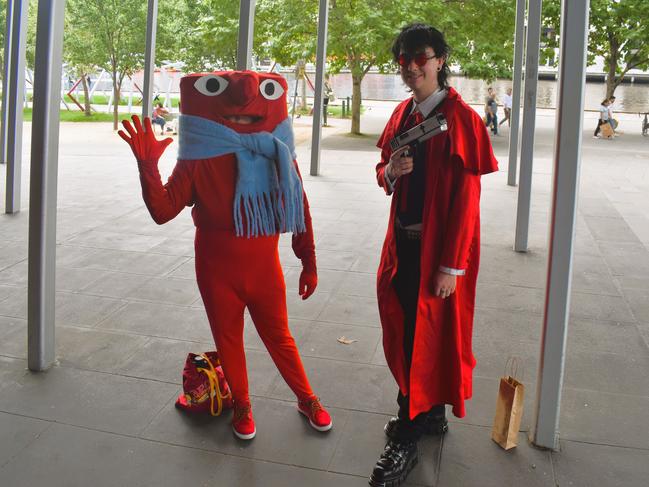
(245, 437)
(322, 429)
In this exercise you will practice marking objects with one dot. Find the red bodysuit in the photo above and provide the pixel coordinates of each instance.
(234, 272)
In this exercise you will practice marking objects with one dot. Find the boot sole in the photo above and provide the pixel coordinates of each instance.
(398, 481)
(321, 429)
(241, 436)
(430, 432)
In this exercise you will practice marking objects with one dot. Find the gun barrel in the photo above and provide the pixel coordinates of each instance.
(421, 132)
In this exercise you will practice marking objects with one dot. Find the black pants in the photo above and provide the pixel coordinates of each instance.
(600, 122)
(406, 285)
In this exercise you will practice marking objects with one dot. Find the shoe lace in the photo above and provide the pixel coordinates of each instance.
(315, 406)
(241, 412)
(394, 454)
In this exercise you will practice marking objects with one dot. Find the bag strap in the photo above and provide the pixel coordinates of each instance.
(215, 389)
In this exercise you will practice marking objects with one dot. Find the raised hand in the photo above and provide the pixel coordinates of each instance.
(145, 147)
(308, 283)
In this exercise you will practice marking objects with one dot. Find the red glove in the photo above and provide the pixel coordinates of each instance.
(308, 282)
(144, 145)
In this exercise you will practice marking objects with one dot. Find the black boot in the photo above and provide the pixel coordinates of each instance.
(431, 424)
(395, 463)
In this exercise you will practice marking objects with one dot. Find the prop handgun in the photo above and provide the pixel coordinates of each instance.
(419, 133)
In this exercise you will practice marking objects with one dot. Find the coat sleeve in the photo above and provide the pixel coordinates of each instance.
(462, 221)
(164, 202)
(303, 243)
(381, 178)
(385, 159)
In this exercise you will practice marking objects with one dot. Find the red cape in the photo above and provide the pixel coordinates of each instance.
(442, 360)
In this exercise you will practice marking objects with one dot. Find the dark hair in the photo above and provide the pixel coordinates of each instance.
(414, 37)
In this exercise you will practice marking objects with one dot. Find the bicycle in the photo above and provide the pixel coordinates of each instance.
(645, 124)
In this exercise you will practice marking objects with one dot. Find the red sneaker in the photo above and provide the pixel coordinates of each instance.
(318, 416)
(242, 423)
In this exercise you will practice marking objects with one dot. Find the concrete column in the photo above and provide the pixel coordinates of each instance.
(529, 123)
(519, 45)
(43, 184)
(149, 58)
(5, 94)
(13, 95)
(321, 62)
(246, 30)
(567, 159)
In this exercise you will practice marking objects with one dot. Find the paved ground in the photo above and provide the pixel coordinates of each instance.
(128, 311)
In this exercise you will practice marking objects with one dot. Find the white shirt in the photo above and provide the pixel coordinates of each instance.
(507, 100)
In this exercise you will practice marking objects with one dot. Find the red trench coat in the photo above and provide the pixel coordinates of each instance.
(442, 360)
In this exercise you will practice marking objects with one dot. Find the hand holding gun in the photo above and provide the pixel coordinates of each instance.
(401, 161)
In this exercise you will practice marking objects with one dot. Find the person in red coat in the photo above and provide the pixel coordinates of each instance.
(236, 167)
(429, 262)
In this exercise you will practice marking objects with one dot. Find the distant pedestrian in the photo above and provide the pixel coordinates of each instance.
(507, 107)
(158, 118)
(611, 119)
(491, 111)
(603, 116)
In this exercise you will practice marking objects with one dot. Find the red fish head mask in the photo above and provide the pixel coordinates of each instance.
(245, 101)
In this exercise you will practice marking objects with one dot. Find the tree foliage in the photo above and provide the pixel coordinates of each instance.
(111, 35)
(619, 32)
(361, 33)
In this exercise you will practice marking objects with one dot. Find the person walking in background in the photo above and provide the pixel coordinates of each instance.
(428, 270)
(611, 119)
(603, 116)
(158, 118)
(491, 110)
(507, 107)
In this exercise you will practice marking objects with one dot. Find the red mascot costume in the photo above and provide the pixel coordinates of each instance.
(236, 167)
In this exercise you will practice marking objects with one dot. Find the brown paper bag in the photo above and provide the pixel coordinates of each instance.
(606, 130)
(509, 410)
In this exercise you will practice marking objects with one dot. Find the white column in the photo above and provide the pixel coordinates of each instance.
(246, 29)
(13, 95)
(149, 58)
(567, 159)
(5, 85)
(519, 46)
(529, 123)
(321, 62)
(43, 184)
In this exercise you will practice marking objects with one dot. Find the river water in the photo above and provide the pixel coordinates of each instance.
(630, 98)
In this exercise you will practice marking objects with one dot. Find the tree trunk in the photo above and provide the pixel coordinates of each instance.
(611, 82)
(87, 109)
(356, 103)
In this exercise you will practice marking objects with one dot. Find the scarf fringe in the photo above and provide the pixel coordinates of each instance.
(267, 214)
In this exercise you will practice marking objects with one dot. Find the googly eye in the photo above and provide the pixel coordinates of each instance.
(211, 85)
(271, 89)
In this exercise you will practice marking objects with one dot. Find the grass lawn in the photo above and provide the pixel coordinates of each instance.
(74, 116)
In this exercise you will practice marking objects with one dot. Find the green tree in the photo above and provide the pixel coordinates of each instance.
(619, 33)
(80, 54)
(361, 32)
(359, 37)
(210, 34)
(111, 35)
(480, 33)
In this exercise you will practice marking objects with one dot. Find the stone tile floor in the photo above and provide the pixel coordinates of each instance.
(128, 311)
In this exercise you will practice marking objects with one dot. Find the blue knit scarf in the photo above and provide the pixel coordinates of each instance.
(269, 188)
